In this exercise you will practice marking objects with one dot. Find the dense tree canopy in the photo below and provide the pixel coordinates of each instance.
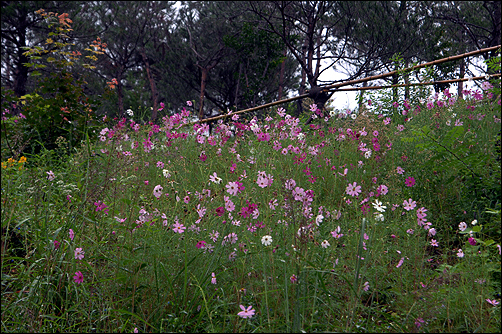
(234, 55)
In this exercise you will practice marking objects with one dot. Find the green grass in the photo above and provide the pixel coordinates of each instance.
(379, 276)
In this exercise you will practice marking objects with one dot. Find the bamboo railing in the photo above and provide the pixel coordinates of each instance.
(335, 87)
(419, 83)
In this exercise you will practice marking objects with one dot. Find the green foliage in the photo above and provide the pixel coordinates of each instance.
(59, 106)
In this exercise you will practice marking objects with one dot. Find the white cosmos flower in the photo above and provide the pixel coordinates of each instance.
(379, 217)
(353, 116)
(318, 219)
(378, 206)
(266, 240)
(325, 244)
(462, 226)
(166, 173)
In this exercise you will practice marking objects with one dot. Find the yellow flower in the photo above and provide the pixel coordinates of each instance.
(10, 160)
(4, 165)
(22, 160)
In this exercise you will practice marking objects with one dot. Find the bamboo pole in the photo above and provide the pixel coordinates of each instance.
(435, 62)
(416, 84)
(356, 81)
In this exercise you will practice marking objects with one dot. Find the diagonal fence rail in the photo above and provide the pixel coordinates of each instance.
(336, 87)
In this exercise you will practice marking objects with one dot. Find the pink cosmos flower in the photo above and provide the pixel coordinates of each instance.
(201, 244)
(290, 184)
(213, 278)
(72, 234)
(214, 235)
(382, 189)
(399, 170)
(178, 228)
(298, 193)
(262, 181)
(56, 244)
(409, 205)
(400, 263)
(353, 189)
(79, 254)
(79, 278)
(494, 302)
(434, 243)
(201, 211)
(293, 279)
(50, 175)
(460, 253)
(472, 241)
(231, 238)
(229, 205)
(486, 85)
(214, 178)
(336, 233)
(246, 312)
(232, 188)
(157, 191)
(421, 212)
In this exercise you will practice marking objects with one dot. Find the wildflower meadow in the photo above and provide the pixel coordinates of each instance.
(383, 219)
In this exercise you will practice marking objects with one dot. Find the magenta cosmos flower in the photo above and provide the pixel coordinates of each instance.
(410, 182)
(79, 278)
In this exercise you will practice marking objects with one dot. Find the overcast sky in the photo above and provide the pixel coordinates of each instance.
(344, 100)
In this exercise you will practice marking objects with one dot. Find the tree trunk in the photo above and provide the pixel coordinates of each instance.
(301, 91)
(203, 79)
(395, 81)
(119, 94)
(461, 83)
(281, 75)
(361, 99)
(21, 71)
(238, 84)
(153, 87)
(407, 81)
